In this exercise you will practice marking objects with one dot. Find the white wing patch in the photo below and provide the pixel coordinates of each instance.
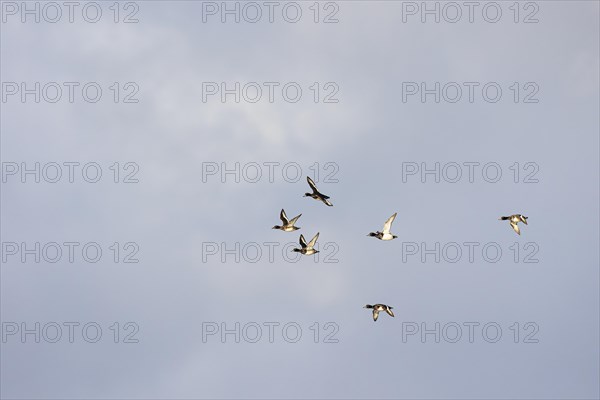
(388, 224)
(516, 228)
(293, 220)
(313, 241)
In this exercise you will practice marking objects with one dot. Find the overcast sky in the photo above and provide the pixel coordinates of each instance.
(369, 135)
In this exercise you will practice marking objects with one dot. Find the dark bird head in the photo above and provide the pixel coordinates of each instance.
(307, 194)
(297, 250)
(368, 306)
(372, 234)
(395, 237)
(276, 227)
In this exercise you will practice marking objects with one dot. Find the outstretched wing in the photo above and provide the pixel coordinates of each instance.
(293, 220)
(313, 241)
(389, 311)
(388, 224)
(302, 241)
(312, 184)
(516, 228)
(375, 314)
(283, 217)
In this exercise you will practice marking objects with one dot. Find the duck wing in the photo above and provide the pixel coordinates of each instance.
(388, 224)
(516, 228)
(302, 241)
(312, 184)
(313, 241)
(283, 217)
(293, 220)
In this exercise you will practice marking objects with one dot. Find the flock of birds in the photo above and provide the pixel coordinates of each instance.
(288, 225)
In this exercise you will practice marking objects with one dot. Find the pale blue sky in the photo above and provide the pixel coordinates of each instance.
(369, 134)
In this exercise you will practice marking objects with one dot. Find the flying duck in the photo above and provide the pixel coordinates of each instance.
(307, 249)
(379, 307)
(386, 234)
(514, 220)
(316, 194)
(288, 224)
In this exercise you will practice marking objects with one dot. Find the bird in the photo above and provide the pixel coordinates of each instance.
(379, 307)
(316, 194)
(307, 249)
(288, 224)
(514, 220)
(386, 234)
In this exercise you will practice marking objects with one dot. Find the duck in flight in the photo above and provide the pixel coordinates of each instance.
(288, 224)
(316, 194)
(307, 249)
(385, 234)
(379, 307)
(514, 220)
